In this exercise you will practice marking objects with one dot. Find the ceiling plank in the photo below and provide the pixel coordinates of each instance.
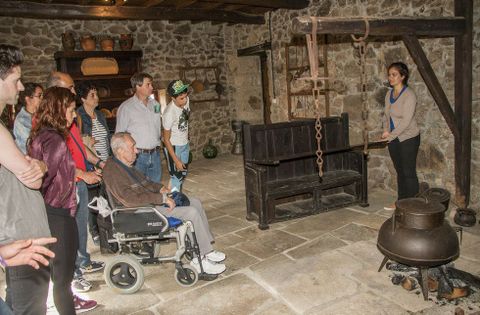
(395, 26)
(275, 4)
(152, 3)
(232, 7)
(180, 4)
(58, 11)
(210, 5)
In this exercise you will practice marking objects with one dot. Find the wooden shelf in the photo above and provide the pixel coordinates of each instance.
(98, 53)
(102, 77)
(128, 62)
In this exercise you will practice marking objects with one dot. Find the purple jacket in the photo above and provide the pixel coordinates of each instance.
(58, 187)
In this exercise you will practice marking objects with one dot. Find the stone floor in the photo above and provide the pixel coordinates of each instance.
(322, 264)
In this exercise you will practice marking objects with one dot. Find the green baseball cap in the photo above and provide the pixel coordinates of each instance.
(177, 87)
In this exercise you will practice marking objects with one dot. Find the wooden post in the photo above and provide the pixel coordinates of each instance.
(431, 80)
(267, 104)
(463, 103)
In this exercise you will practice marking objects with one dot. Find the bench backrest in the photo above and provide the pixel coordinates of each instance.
(294, 144)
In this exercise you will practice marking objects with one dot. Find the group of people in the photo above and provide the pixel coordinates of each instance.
(59, 153)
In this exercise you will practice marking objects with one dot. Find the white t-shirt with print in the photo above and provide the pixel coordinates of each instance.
(175, 119)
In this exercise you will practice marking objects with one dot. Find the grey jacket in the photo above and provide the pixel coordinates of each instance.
(402, 113)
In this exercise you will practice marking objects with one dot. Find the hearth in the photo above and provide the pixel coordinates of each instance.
(418, 235)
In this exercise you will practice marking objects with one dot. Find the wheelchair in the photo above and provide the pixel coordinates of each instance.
(137, 235)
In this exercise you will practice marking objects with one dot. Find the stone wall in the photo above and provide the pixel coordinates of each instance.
(436, 158)
(166, 48)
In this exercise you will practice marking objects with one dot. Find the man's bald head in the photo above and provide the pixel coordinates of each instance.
(61, 79)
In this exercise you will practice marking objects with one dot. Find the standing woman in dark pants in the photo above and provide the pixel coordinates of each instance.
(48, 143)
(93, 123)
(401, 130)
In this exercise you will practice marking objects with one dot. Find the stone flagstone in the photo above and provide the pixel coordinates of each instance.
(237, 294)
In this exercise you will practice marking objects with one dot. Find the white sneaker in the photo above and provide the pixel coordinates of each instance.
(208, 266)
(216, 256)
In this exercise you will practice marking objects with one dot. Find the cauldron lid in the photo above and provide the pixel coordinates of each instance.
(419, 205)
(439, 194)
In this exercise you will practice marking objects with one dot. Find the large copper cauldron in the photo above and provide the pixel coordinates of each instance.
(418, 235)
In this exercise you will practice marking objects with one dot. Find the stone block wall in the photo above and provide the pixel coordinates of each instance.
(436, 157)
(166, 47)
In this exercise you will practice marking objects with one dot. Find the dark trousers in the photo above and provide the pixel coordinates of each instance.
(27, 290)
(404, 157)
(93, 214)
(64, 228)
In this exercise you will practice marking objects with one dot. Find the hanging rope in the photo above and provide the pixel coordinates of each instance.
(361, 44)
(312, 49)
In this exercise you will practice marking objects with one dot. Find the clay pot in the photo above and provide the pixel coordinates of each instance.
(197, 86)
(68, 41)
(465, 217)
(88, 43)
(125, 41)
(107, 44)
(103, 91)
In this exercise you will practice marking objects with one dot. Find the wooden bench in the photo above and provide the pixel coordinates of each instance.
(280, 167)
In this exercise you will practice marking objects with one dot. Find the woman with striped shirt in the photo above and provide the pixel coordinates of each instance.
(92, 123)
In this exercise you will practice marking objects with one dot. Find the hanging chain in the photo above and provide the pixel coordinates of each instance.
(361, 44)
(312, 48)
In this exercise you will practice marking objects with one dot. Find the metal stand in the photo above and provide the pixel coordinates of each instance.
(237, 127)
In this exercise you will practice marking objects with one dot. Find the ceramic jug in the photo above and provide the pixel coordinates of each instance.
(68, 41)
(126, 41)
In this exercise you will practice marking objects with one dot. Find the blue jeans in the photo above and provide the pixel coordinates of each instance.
(4, 309)
(83, 257)
(182, 152)
(149, 164)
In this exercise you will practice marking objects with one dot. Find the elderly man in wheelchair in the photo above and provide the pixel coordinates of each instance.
(131, 189)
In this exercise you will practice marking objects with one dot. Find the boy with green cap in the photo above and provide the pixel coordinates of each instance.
(175, 133)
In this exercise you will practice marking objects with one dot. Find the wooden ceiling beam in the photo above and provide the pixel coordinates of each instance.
(43, 11)
(180, 4)
(211, 5)
(152, 3)
(395, 26)
(274, 4)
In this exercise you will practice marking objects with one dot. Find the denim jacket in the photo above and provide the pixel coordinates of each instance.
(86, 123)
(21, 129)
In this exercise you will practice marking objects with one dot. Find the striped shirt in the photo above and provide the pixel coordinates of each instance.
(100, 134)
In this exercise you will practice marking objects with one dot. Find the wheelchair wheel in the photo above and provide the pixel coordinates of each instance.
(186, 276)
(124, 274)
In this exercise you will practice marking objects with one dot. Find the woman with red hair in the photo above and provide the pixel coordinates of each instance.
(48, 143)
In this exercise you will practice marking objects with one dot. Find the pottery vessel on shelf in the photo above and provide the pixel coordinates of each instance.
(68, 41)
(125, 41)
(88, 43)
(107, 44)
